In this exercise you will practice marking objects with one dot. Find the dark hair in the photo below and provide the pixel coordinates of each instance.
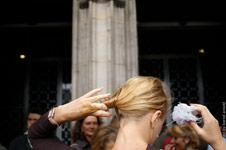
(77, 132)
(35, 110)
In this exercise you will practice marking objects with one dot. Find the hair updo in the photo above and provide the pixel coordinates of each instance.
(138, 96)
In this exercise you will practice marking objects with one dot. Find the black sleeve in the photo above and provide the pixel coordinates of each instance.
(18, 143)
(42, 136)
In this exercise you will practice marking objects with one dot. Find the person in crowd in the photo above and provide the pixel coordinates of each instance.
(167, 141)
(141, 105)
(21, 142)
(183, 138)
(83, 132)
(104, 137)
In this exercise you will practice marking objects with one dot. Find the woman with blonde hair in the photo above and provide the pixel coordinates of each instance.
(183, 138)
(141, 105)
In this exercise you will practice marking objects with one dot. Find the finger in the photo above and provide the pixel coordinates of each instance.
(195, 126)
(99, 97)
(203, 110)
(99, 106)
(91, 93)
(89, 107)
(173, 148)
(101, 113)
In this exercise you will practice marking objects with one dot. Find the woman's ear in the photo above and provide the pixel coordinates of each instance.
(155, 116)
(186, 140)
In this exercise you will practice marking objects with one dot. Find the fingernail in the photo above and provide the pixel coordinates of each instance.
(108, 94)
(101, 88)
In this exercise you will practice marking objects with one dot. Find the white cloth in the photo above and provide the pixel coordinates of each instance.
(182, 113)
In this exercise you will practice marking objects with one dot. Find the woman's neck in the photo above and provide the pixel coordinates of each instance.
(132, 136)
(88, 138)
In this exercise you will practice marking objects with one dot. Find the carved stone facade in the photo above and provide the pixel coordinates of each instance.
(104, 50)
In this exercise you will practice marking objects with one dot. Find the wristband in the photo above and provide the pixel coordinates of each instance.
(50, 117)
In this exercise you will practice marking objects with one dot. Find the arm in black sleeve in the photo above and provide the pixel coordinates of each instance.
(42, 136)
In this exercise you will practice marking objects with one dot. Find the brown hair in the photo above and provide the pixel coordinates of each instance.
(77, 133)
(103, 135)
(185, 131)
(115, 122)
(138, 96)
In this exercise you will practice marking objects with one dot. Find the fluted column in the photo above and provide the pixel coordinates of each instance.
(104, 50)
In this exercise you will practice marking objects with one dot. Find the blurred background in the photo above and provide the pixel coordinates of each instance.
(181, 44)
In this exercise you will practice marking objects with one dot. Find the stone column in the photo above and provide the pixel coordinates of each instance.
(104, 49)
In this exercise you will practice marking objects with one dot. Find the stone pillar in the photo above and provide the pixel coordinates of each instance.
(104, 49)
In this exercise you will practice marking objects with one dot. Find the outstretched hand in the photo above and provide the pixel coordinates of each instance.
(210, 132)
(82, 107)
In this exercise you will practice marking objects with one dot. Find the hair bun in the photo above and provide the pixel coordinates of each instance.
(112, 101)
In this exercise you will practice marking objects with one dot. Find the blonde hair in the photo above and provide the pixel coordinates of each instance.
(103, 135)
(185, 131)
(138, 96)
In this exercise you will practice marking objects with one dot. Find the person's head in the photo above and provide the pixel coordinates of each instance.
(141, 97)
(104, 138)
(33, 115)
(183, 137)
(85, 128)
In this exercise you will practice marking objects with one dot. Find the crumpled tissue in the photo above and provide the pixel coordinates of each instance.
(182, 113)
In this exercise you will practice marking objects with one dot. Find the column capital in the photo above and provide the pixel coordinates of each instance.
(83, 4)
(120, 3)
(101, 1)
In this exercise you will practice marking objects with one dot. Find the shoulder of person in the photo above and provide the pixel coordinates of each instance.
(190, 148)
(20, 138)
(19, 141)
(81, 144)
(76, 146)
(2, 147)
